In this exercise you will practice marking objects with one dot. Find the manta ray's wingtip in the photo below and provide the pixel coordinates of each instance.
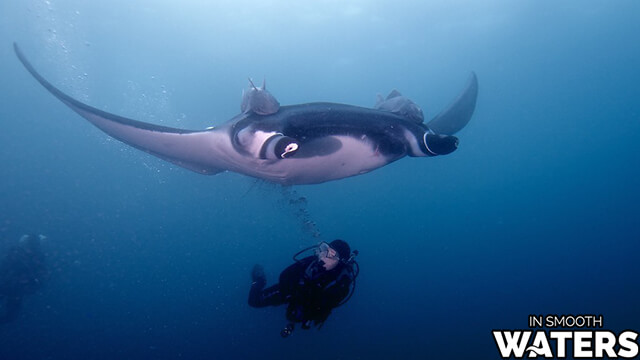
(473, 78)
(472, 83)
(16, 49)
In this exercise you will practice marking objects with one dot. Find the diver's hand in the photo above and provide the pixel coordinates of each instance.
(257, 275)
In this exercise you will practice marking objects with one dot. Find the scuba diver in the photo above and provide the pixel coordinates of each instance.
(22, 272)
(311, 287)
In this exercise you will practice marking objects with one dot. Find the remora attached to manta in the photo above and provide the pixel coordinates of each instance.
(296, 144)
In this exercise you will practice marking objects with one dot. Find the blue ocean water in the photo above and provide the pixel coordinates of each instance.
(536, 212)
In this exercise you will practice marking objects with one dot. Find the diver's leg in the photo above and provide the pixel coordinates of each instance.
(259, 297)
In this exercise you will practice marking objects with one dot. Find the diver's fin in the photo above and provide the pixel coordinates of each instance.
(258, 276)
(457, 115)
(186, 148)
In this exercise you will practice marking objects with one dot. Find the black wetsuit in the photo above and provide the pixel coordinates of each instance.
(310, 290)
(22, 272)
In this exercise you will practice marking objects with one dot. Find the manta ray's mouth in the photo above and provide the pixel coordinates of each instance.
(437, 144)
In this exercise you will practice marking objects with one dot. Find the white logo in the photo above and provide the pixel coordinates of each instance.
(572, 335)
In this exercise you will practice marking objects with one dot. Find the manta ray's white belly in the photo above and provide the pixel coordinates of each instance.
(355, 157)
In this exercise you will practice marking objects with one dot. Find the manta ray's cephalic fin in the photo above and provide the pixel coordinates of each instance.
(459, 112)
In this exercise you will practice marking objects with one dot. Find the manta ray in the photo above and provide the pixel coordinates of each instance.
(295, 144)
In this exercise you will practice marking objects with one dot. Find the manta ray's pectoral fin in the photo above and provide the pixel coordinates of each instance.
(194, 150)
(459, 112)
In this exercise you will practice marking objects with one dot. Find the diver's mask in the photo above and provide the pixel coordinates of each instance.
(328, 257)
(325, 251)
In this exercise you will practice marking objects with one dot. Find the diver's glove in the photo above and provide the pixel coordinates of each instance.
(257, 276)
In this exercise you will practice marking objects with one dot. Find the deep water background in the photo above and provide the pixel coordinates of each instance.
(536, 213)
